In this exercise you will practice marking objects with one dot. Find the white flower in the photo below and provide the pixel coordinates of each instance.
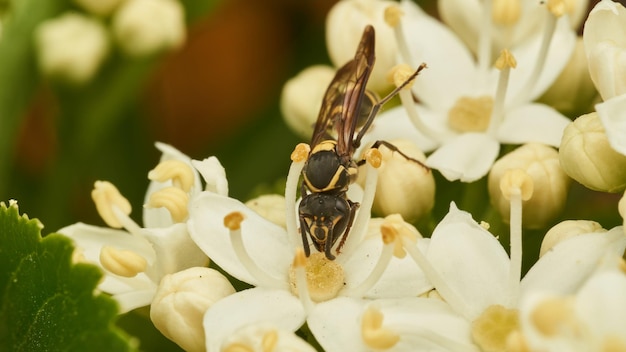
(605, 45)
(590, 320)
(473, 273)
(145, 27)
(466, 108)
(261, 253)
(136, 259)
(71, 47)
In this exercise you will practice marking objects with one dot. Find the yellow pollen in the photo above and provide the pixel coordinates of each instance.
(506, 12)
(554, 315)
(238, 347)
(105, 195)
(300, 153)
(399, 74)
(471, 114)
(613, 343)
(122, 262)
(388, 232)
(270, 340)
(506, 59)
(516, 180)
(233, 220)
(395, 229)
(179, 172)
(392, 15)
(516, 342)
(492, 328)
(374, 157)
(373, 333)
(325, 278)
(173, 199)
(561, 7)
(485, 225)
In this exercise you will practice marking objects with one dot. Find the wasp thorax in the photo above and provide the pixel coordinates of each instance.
(471, 114)
(325, 171)
(324, 278)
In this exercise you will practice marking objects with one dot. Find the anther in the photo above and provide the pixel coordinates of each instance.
(516, 180)
(233, 220)
(270, 340)
(374, 157)
(300, 153)
(173, 199)
(505, 60)
(506, 12)
(177, 171)
(106, 196)
(122, 262)
(401, 74)
(373, 333)
(392, 15)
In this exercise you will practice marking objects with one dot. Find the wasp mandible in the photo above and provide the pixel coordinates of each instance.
(326, 214)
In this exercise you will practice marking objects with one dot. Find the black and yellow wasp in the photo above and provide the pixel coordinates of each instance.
(326, 214)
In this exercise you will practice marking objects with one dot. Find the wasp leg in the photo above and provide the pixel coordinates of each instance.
(304, 231)
(395, 149)
(356, 142)
(353, 207)
(329, 247)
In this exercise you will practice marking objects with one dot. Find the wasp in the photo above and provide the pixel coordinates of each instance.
(325, 212)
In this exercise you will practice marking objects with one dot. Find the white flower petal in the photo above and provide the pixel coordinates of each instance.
(402, 278)
(252, 306)
(336, 324)
(175, 249)
(533, 123)
(467, 157)
(612, 113)
(214, 175)
(471, 260)
(451, 71)
(567, 265)
(425, 324)
(90, 239)
(260, 237)
(601, 304)
(135, 299)
(561, 49)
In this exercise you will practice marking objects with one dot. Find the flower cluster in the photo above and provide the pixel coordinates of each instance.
(494, 115)
(74, 45)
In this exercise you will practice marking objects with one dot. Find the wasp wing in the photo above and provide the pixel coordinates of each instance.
(342, 101)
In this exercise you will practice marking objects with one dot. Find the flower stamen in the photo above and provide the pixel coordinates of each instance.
(106, 197)
(122, 262)
(492, 328)
(298, 269)
(504, 63)
(174, 199)
(373, 333)
(177, 171)
(233, 221)
(298, 158)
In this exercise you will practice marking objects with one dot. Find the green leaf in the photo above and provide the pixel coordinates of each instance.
(48, 303)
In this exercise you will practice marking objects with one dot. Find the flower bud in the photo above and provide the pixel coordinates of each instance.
(587, 157)
(71, 47)
(145, 27)
(182, 299)
(567, 229)
(344, 26)
(271, 207)
(99, 7)
(573, 82)
(302, 96)
(404, 187)
(550, 184)
(606, 48)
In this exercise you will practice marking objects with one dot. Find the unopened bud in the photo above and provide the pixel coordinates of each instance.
(567, 229)
(271, 207)
(587, 157)
(344, 26)
(404, 186)
(181, 300)
(301, 98)
(71, 47)
(549, 184)
(145, 27)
